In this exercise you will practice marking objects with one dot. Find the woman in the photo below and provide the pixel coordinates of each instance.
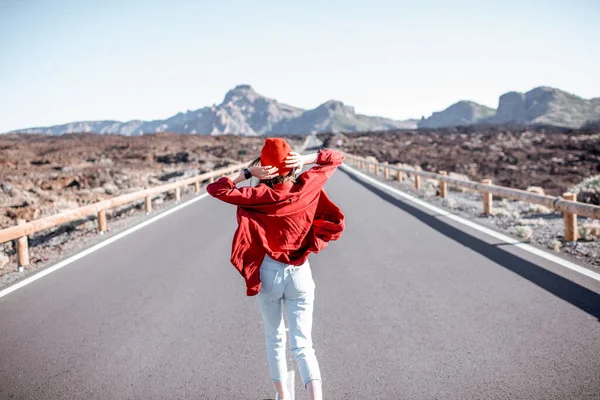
(280, 222)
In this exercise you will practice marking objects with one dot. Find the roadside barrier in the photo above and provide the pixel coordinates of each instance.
(23, 229)
(566, 203)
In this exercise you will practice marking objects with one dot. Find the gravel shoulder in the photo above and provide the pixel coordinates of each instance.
(529, 223)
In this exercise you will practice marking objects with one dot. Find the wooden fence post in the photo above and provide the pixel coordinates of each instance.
(177, 194)
(376, 167)
(386, 170)
(488, 206)
(399, 173)
(22, 249)
(211, 179)
(102, 221)
(571, 233)
(197, 187)
(417, 181)
(148, 204)
(443, 186)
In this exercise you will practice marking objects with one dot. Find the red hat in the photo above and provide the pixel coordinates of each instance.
(274, 152)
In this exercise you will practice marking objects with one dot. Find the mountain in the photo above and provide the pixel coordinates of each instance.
(242, 112)
(335, 116)
(461, 113)
(245, 112)
(547, 106)
(539, 106)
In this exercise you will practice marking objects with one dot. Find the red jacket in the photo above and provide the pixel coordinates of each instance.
(287, 222)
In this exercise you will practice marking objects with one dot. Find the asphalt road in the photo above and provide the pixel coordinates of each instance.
(408, 306)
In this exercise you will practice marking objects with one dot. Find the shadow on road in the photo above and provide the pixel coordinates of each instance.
(582, 298)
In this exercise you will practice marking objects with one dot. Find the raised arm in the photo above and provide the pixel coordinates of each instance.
(224, 188)
(327, 161)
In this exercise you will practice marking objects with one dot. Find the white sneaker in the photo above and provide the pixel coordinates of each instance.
(277, 396)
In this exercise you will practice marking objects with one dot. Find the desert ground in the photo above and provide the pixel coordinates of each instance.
(43, 175)
(519, 157)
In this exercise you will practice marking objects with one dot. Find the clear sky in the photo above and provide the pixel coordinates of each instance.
(64, 61)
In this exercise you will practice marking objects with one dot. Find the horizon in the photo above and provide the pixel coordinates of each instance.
(149, 61)
(283, 102)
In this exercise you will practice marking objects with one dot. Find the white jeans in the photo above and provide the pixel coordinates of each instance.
(294, 286)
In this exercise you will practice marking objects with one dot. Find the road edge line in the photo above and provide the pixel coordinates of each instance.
(97, 246)
(490, 232)
(291, 384)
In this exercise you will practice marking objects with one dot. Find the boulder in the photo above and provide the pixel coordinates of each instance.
(110, 188)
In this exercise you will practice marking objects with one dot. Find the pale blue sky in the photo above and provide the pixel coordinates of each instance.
(66, 61)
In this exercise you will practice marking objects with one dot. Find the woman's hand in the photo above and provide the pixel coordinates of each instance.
(264, 173)
(296, 160)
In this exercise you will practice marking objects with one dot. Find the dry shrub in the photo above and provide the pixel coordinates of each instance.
(536, 190)
(524, 232)
(554, 244)
(589, 231)
(539, 209)
(588, 191)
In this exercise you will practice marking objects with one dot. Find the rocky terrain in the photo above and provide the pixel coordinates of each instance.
(242, 112)
(519, 157)
(539, 159)
(539, 106)
(42, 175)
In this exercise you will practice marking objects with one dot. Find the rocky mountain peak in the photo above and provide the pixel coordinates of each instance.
(336, 106)
(542, 105)
(544, 89)
(333, 104)
(241, 93)
(461, 113)
(545, 105)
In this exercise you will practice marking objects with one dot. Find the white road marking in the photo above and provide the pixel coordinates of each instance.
(550, 257)
(291, 384)
(98, 246)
